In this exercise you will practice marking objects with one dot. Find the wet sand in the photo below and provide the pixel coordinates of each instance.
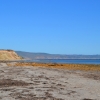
(40, 83)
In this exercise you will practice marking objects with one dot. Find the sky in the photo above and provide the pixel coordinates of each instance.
(50, 26)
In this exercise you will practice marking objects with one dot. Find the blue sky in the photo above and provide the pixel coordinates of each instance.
(50, 26)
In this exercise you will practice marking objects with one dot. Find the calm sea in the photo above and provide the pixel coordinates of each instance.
(68, 61)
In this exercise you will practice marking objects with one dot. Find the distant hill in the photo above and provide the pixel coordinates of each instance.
(9, 55)
(30, 55)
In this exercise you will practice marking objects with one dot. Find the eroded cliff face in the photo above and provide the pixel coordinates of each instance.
(9, 55)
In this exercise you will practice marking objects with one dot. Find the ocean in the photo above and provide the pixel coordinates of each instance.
(67, 61)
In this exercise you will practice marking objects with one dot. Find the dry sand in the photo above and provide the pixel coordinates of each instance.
(36, 83)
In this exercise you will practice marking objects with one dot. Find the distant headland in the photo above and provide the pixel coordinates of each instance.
(32, 56)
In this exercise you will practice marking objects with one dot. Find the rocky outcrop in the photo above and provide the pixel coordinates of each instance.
(9, 55)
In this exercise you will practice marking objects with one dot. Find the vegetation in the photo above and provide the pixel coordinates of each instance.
(85, 67)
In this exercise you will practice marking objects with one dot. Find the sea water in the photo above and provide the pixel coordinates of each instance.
(68, 61)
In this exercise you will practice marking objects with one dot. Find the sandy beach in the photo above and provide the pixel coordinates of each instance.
(40, 83)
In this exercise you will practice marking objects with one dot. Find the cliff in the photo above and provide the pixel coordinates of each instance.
(9, 55)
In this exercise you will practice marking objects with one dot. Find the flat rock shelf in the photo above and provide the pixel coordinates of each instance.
(41, 83)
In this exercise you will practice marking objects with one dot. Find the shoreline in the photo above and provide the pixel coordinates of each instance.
(85, 67)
